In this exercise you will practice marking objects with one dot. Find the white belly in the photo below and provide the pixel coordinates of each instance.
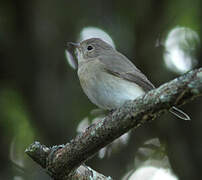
(108, 91)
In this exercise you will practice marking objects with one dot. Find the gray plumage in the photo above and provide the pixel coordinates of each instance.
(109, 78)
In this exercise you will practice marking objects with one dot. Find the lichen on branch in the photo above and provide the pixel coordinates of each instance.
(64, 162)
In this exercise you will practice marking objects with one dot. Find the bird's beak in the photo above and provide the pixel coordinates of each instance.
(71, 45)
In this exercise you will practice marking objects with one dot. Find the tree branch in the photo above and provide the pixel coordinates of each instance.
(62, 163)
(40, 153)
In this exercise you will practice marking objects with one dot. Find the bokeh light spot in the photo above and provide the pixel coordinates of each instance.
(71, 60)
(94, 32)
(180, 49)
(152, 173)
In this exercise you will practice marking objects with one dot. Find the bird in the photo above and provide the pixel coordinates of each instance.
(108, 77)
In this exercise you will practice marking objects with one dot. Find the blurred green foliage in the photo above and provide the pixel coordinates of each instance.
(14, 117)
(17, 130)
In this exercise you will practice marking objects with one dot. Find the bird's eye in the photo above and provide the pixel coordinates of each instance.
(90, 48)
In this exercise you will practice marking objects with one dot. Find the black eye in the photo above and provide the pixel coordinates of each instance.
(90, 47)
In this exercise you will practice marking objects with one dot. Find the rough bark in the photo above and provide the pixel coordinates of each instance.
(63, 162)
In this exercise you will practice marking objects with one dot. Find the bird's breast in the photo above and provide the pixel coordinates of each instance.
(104, 89)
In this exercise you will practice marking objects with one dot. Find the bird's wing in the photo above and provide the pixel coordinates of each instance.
(122, 67)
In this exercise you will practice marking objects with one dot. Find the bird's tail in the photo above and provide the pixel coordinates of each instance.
(179, 113)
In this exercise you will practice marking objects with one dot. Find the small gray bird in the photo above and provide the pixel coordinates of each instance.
(109, 78)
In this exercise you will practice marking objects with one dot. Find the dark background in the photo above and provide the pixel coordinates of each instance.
(40, 95)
